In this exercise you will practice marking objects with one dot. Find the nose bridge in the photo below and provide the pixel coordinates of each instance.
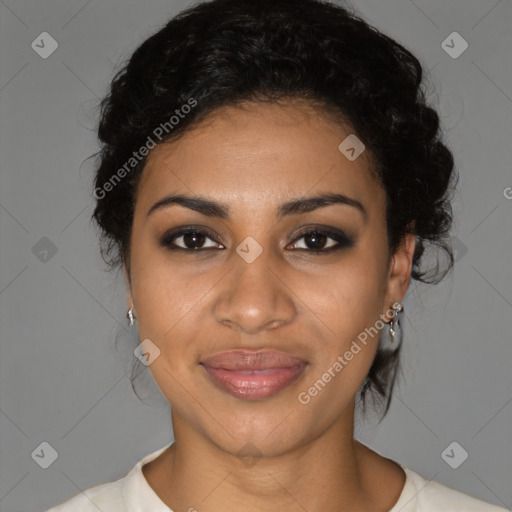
(254, 297)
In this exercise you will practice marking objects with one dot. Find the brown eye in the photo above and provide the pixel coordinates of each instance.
(188, 240)
(323, 240)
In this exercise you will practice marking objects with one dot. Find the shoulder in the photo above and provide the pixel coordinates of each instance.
(421, 495)
(100, 496)
(130, 493)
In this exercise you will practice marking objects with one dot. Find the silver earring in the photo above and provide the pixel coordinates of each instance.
(397, 307)
(391, 336)
(131, 316)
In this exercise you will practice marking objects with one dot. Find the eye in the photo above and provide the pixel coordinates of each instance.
(188, 240)
(316, 240)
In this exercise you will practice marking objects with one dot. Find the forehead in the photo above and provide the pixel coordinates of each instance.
(258, 155)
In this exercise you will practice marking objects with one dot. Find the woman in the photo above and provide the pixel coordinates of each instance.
(269, 179)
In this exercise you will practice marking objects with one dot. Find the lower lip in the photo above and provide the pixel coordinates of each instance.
(255, 384)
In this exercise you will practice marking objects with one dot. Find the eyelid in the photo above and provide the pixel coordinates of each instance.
(342, 239)
(171, 235)
(339, 236)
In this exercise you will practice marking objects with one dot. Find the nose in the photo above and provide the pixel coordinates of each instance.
(254, 296)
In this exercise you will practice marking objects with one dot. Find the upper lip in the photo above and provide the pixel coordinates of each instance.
(250, 360)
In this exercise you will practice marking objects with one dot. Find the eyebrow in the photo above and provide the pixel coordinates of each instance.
(212, 208)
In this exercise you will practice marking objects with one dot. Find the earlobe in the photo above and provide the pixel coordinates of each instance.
(127, 281)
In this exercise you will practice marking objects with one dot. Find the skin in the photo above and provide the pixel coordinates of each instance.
(195, 304)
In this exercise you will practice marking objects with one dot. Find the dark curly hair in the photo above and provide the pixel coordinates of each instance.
(226, 52)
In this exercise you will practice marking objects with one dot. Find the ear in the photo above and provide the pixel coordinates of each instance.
(400, 269)
(127, 281)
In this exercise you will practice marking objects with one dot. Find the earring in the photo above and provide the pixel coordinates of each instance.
(397, 307)
(131, 317)
(392, 331)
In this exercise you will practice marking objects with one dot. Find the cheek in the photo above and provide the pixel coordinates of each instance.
(165, 300)
(349, 304)
(344, 356)
(159, 291)
(350, 298)
(170, 299)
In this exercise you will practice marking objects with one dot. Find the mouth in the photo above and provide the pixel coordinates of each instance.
(253, 375)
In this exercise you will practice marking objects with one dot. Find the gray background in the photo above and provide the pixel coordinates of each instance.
(62, 380)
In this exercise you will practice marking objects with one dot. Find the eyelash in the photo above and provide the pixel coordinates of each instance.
(342, 240)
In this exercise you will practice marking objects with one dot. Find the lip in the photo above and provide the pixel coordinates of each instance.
(253, 375)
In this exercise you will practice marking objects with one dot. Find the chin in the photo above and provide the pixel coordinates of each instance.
(265, 431)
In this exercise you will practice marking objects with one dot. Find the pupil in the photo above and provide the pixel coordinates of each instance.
(192, 238)
(315, 237)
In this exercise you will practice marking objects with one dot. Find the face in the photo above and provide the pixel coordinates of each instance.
(250, 300)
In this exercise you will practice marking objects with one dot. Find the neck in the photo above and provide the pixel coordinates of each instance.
(330, 473)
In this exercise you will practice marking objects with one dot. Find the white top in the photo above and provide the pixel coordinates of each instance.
(132, 493)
